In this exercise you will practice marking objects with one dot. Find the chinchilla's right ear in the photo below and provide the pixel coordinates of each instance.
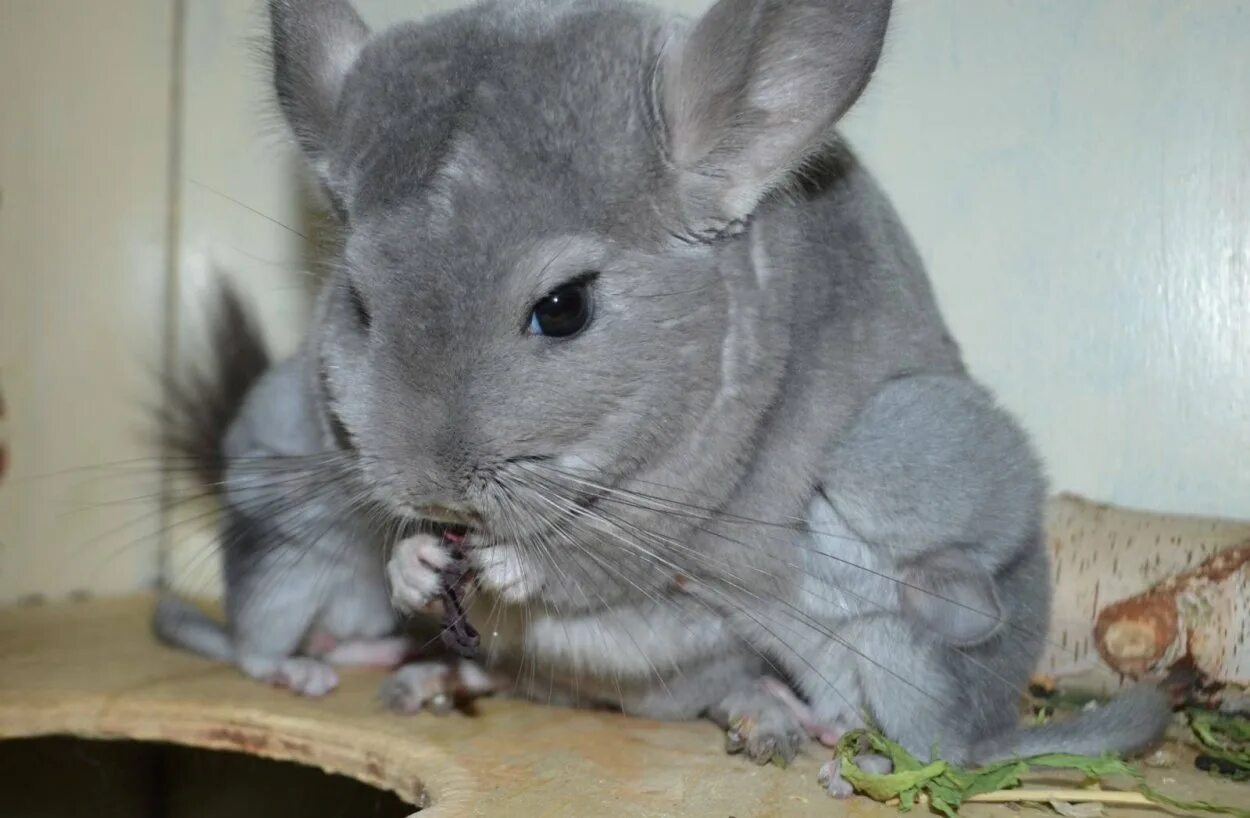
(313, 43)
(752, 92)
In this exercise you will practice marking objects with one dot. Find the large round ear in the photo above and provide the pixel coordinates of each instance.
(314, 43)
(752, 92)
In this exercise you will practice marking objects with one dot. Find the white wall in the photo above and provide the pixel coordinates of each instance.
(84, 136)
(1076, 174)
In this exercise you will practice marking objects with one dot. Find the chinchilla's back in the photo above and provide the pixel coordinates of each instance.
(861, 310)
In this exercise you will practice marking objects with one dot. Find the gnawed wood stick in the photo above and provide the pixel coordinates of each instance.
(1198, 617)
(1140, 594)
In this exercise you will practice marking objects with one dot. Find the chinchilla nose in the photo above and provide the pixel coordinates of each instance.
(439, 470)
(426, 431)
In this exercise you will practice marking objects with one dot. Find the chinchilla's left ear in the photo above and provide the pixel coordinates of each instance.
(752, 92)
(314, 43)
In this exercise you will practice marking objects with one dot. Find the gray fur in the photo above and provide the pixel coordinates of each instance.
(300, 556)
(750, 93)
(314, 43)
(762, 456)
(200, 405)
(176, 622)
(1136, 720)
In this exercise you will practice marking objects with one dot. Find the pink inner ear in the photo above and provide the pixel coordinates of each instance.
(960, 609)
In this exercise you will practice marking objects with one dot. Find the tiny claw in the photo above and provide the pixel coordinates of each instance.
(739, 732)
(826, 773)
(830, 777)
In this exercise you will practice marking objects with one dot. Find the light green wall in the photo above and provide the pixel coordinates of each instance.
(1077, 175)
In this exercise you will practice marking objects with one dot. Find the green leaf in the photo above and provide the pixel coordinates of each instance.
(948, 787)
(1192, 806)
(1227, 737)
(1224, 739)
(904, 783)
(1090, 766)
(1002, 776)
(1218, 731)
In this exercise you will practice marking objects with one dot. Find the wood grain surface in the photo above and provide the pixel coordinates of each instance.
(91, 669)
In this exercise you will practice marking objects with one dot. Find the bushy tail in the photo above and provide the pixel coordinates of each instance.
(182, 625)
(199, 405)
(1128, 724)
(201, 402)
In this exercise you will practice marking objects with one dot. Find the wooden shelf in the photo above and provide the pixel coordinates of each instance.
(91, 669)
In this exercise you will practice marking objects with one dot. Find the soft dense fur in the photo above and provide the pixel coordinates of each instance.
(763, 457)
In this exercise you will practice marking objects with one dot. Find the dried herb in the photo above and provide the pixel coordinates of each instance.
(946, 787)
(1225, 742)
(458, 634)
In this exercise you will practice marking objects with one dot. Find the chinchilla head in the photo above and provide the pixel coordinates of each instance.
(541, 203)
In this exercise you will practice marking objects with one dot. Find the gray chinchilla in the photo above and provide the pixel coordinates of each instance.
(613, 294)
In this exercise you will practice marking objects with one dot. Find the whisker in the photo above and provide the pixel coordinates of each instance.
(637, 547)
(250, 209)
(649, 503)
(1013, 686)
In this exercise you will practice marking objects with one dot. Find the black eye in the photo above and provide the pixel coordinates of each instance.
(563, 312)
(359, 308)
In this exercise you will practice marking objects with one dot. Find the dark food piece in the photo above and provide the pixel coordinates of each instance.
(458, 635)
(1222, 766)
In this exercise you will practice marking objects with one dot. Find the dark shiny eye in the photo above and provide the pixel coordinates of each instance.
(360, 310)
(565, 311)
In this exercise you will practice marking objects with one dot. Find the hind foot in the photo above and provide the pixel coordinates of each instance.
(760, 724)
(388, 653)
(299, 674)
(830, 776)
(827, 733)
(436, 686)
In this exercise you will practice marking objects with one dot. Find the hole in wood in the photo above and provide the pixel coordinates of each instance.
(62, 777)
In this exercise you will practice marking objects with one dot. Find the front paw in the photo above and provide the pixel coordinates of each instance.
(502, 569)
(435, 685)
(415, 572)
(299, 674)
(830, 776)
